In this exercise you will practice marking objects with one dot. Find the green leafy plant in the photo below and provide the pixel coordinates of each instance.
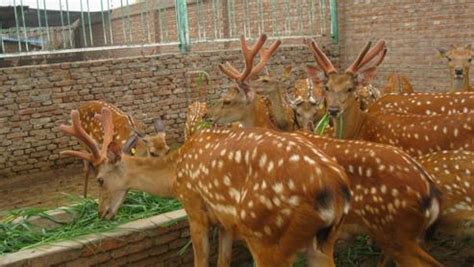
(21, 234)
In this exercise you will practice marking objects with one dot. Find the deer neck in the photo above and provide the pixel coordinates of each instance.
(349, 124)
(458, 85)
(154, 175)
(278, 109)
(258, 115)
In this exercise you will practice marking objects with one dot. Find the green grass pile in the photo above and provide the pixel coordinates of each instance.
(20, 235)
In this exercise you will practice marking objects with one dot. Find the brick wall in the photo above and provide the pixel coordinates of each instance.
(413, 30)
(37, 99)
(155, 241)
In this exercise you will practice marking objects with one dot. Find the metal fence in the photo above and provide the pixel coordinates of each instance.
(42, 27)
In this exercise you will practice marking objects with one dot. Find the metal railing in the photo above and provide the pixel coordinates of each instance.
(30, 27)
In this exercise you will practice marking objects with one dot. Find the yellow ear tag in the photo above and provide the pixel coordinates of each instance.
(133, 151)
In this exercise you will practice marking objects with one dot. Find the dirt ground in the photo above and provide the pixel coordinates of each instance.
(49, 189)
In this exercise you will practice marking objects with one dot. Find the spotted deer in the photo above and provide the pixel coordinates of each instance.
(195, 117)
(128, 133)
(416, 134)
(426, 103)
(397, 84)
(453, 173)
(394, 198)
(459, 62)
(301, 199)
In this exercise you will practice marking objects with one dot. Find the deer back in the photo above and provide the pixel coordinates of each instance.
(453, 173)
(393, 198)
(420, 134)
(242, 178)
(426, 103)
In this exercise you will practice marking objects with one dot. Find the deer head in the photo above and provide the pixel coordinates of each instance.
(103, 160)
(340, 88)
(238, 103)
(459, 60)
(308, 103)
(115, 172)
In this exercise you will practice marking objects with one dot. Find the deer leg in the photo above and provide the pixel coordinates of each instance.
(86, 176)
(315, 256)
(200, 238)
(225, 248)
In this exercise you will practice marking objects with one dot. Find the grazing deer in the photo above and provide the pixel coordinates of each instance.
(397, 84)
(416, 134)
(126, 134)
(459, 62)
(426, 103)
(396, 200)
(453, 173)
(236, 179)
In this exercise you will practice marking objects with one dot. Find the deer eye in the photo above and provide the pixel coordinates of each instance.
(226, 102)
(100, 180)
(449, 59)
(350, 89)
(326, 88)
(469, 60)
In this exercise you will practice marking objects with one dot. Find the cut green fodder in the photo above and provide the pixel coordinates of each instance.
(20, 234)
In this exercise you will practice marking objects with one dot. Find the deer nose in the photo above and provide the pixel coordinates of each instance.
(333, 111)
(458, 71)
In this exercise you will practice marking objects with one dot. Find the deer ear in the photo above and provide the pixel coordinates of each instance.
(114, 155)
(364, 77)
(442, 52)
(287, 72)
(159, 125)
(316, 74)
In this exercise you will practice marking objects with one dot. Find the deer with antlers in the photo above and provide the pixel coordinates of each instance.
(453, 173)
(459, 62)
(127, 133)
(390, 189)
(301, 200)
(416, 134)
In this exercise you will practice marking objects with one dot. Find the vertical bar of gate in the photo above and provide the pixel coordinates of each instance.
(90, 23)
(182, 24)
(123, 22)
(17, 26)
(247, 26)
(204, 35)
(129, 22)
(287, 18)
(311, 18)
(1, 38)
(46, 23)
(142, 21)
(299, 11)
(24, 26)
(109, 11)
(229, 17)
(69, 24)
(83, 26)
(148, 21)
(38, 13)
(261, 17)
(274, 24)
(103, 21)
(214, 16)
(62, 23)
(334, 25)
(322, 17)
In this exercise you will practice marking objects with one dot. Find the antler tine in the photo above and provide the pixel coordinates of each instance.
(356, 64)
(108, 126)
(79, 132)
(230, 71)
(377, 62)
(265, 55)
(321, 58)
(249, 54)
(373, 52)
